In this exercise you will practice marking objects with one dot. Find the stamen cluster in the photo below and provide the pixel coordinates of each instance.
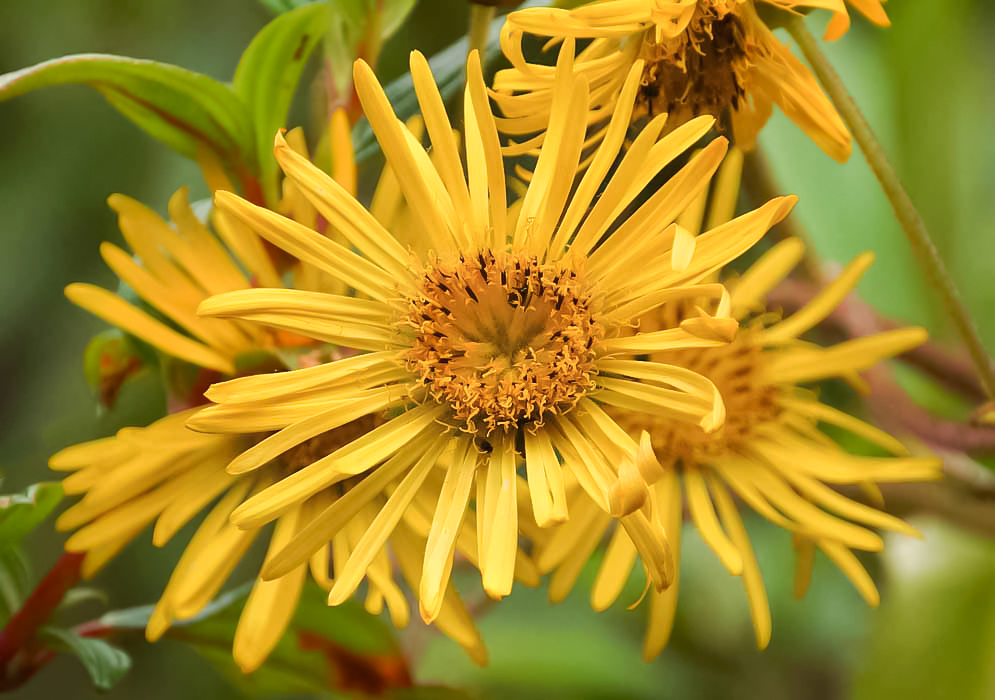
(503, 339)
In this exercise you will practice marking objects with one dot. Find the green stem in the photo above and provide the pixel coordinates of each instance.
(481, 17)
(915, 230)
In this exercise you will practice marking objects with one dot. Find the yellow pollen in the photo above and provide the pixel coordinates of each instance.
(699, 72)
(503, 339)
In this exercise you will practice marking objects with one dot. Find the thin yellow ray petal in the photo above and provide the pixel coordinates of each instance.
(822, 304)
(703, 514)
(853, 569)
(128, 318)
(545, 478)
(486, 132)
(614, 572)
(749, 290)
(851, 355)
(375, 537)
(355, 458)
(756, 592)
(270, 606)
(311, 247)
(453, 501)
(663, 605)
(497, 557)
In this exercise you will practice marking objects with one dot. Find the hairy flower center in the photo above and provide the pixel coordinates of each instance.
(699, 72)
(503, 339)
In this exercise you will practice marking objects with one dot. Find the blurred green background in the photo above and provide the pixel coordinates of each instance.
(927, 87)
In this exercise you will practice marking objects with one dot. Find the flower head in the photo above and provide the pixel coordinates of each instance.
(166, 473)
(771, 452)
(696, 57)
(488, 344)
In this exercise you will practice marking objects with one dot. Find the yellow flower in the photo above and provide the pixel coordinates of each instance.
(491, 343)
(770, 453)
(167, 474)
(871, 9)
(698, 57)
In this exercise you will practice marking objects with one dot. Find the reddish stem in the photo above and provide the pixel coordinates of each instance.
(20, 654)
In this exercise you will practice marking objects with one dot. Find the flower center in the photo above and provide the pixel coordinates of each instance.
(503, 339)
(699, 72)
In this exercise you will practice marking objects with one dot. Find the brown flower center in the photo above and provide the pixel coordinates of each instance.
(699, 72)
(503, 339)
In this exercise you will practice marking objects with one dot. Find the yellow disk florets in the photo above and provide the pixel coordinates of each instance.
(502, 339)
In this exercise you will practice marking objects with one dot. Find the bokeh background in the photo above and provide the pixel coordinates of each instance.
(928, 88)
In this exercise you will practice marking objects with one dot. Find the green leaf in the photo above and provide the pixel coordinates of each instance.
(933, 638)
(278, 7)
(267, 76)
(324, 647)
(20, 513)
(15, 581)
(187, 111)
(106, 664)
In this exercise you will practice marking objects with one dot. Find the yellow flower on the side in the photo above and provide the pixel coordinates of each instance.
(493, 340)
(770, 453)
(713, 57)
(168, 474)
(871, 9)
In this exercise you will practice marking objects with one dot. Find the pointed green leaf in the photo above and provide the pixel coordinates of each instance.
(106, 664)
(187, 111)
(267, 76)
(20, 513)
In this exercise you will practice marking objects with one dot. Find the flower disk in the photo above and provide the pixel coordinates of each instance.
(503, 339)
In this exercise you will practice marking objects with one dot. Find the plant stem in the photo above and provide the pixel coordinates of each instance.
(481, 17)
(912, 224)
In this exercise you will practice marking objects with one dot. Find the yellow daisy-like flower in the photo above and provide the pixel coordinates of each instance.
(699, 57)
(770, 453)
(493, 340)
(167, 474)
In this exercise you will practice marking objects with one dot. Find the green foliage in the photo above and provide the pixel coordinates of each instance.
(322, 649)
(189, 112)
(278, 7)
(357, 29)
(267, 76)
(106, 664)
(933, 636)
(20, 513)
